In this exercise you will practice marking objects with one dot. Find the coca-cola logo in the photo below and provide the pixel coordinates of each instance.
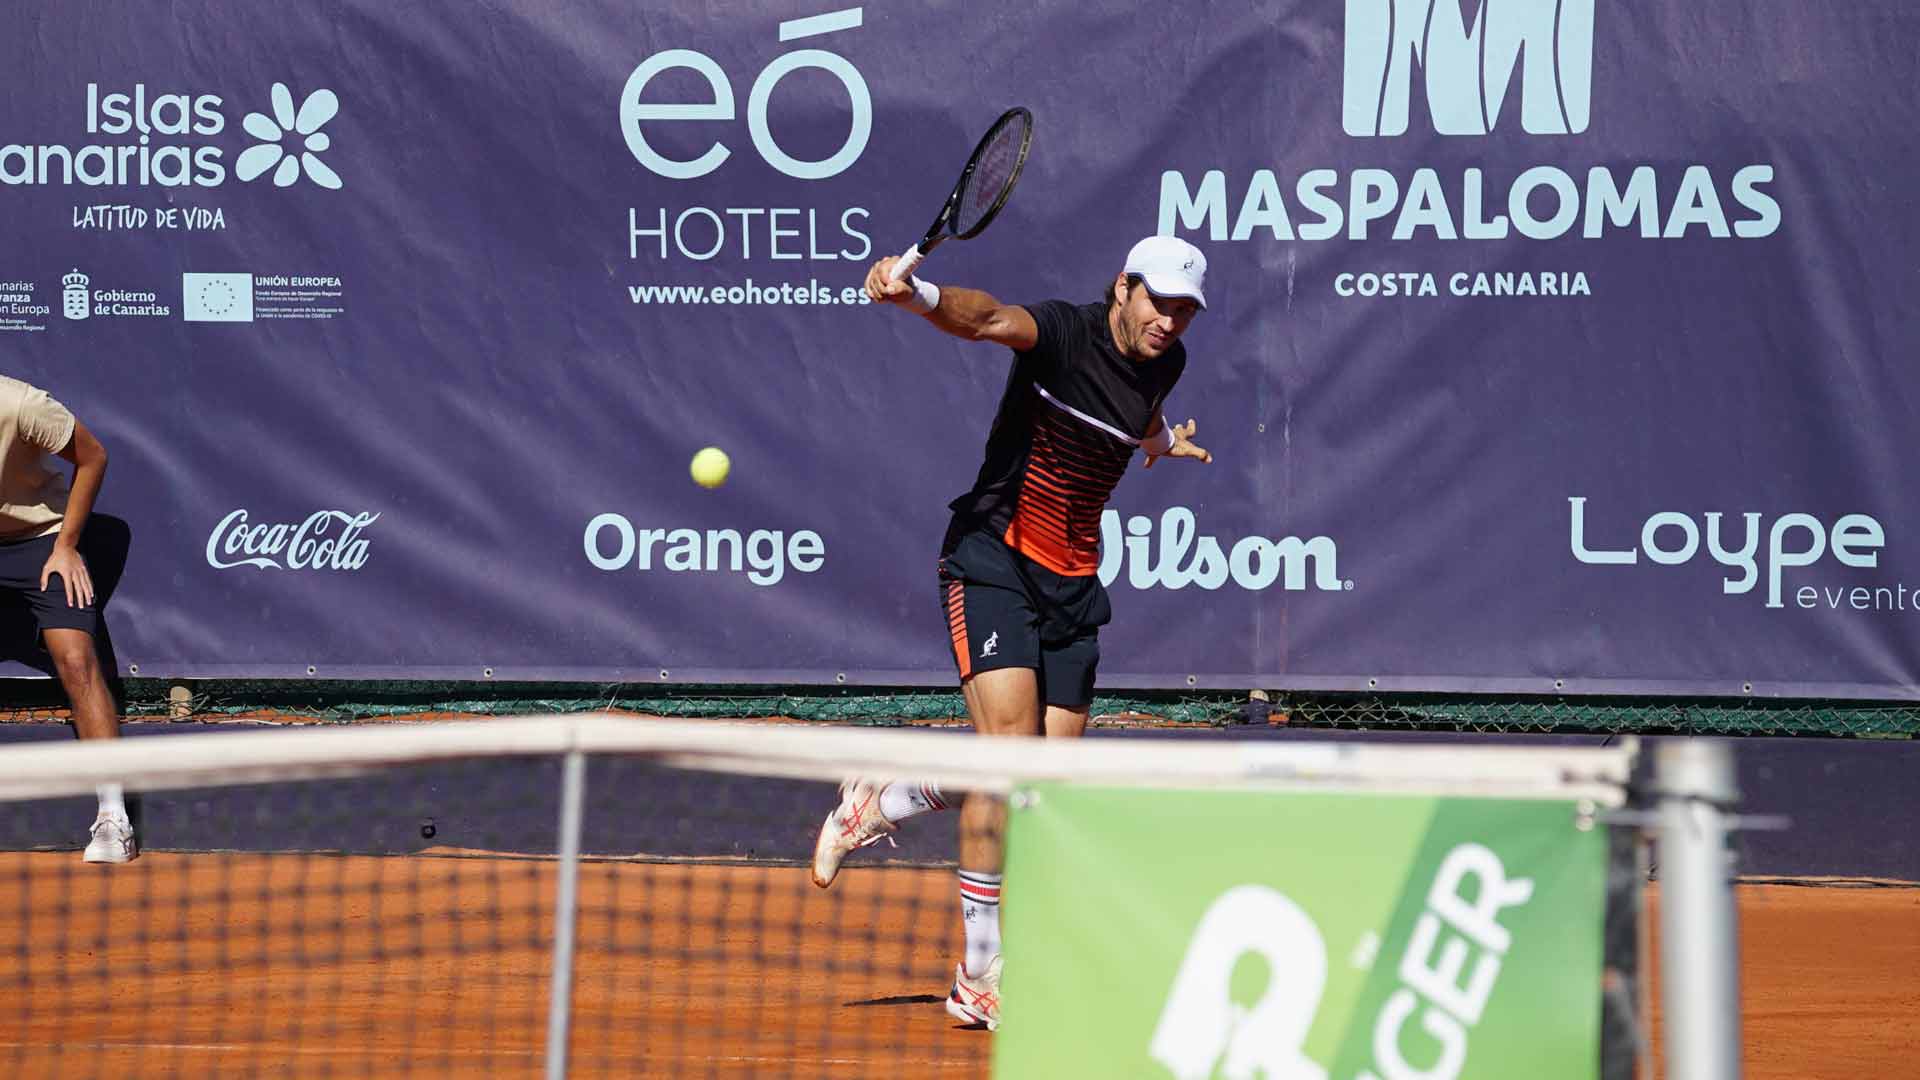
(326, 540)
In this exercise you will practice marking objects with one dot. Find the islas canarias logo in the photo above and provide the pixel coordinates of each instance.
(144, 136)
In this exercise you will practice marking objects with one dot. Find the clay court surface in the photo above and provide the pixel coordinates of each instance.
(197, 965)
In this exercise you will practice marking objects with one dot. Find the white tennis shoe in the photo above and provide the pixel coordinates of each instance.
(112, 841)
(976, 1000)
(855, 823)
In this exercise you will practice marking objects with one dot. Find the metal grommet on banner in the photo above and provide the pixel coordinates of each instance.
(133, 669)
(486, 673)
(1373, 684)
(1746, 688)
(663, 673)
(311, 670)
(1192, 680)
(1559, 684)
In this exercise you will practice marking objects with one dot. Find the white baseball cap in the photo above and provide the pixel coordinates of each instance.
(1170, 267)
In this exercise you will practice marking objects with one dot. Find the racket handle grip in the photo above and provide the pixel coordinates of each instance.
(908, 261)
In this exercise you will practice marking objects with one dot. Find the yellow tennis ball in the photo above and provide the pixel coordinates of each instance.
(710, 467)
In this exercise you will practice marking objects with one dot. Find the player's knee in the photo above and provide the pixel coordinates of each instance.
(1066, 721)
(73, 655)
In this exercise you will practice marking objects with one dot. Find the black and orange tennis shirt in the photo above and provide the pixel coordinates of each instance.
(1072, 415)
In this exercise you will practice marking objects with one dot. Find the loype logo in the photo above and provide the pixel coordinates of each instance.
(1672, 538)
(1468, 69)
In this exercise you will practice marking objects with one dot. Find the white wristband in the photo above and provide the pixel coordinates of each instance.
(926, 297)
(1160, 443)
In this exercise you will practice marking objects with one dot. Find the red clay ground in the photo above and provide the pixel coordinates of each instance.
(199, 965)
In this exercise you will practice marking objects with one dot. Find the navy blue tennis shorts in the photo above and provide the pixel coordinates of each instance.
(22, 600)
(1004, 610)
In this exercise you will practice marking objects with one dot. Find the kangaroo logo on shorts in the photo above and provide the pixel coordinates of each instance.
(989, 646)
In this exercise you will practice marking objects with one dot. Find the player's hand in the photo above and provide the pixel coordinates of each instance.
(72, 569)
(1183, 445)
(881, 289)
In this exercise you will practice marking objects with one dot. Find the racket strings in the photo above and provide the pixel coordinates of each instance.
(993, 171)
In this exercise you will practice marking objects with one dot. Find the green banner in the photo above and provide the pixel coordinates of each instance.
(1299, 937)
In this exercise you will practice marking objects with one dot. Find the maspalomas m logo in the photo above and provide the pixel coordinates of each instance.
(1469, 60)
(1468, 69)
(163, 136)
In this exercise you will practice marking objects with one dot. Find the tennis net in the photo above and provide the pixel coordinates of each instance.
(598, 896)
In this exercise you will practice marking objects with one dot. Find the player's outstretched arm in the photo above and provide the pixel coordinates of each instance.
(964, 313)
(1182, 444)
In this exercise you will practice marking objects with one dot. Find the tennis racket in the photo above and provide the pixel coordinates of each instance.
(982, 189)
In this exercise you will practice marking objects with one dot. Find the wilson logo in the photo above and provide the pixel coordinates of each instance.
(1178, 556)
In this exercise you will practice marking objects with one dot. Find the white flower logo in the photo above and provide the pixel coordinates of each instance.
(314, 113)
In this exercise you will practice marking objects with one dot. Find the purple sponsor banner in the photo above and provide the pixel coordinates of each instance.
(1560, 346)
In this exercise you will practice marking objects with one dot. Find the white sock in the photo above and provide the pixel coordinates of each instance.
(901, 800)
(112, 801)
(980, 913)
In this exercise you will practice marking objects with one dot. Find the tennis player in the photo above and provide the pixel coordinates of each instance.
(1023, 603)
(43, 575)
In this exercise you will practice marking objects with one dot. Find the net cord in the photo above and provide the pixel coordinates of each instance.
(1595, 774)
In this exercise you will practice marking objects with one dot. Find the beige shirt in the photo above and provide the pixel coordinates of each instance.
(33, 494)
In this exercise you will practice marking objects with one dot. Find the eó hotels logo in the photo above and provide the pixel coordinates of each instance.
(75, 303)
(1468, 67)
(320, 107)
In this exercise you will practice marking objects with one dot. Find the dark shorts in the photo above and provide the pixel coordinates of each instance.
(1004, 610)
(25, 606)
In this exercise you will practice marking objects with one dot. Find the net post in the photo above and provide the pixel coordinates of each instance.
(573, 785)
(1698, 927)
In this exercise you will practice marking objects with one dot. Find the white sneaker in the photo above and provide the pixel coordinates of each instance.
(112, 841)
(855, 823)
(976, 1000)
